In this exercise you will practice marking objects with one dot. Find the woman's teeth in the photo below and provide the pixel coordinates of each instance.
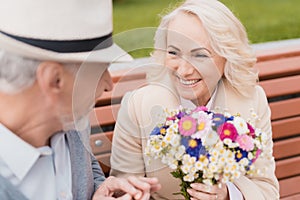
(189, 82)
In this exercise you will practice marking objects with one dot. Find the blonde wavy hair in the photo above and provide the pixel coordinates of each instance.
(227, 37)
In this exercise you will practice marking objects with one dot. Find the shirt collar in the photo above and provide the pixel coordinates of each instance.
(18, 155)
(189, 104)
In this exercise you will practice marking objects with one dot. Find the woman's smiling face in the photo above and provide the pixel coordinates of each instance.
(195, 68)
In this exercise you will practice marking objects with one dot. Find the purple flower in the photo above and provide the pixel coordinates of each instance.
(218, 119)
(180, 115)
(240, 154)
(155, 131)
(193, 147)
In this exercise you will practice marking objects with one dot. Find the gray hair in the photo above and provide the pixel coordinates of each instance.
(227, 36)
(18, 73)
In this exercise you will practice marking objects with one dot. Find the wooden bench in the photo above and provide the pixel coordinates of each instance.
(280, 78)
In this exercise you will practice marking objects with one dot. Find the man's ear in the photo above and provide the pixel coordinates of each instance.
(50, 78)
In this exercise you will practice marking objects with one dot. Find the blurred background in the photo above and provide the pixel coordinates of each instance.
(265, 20)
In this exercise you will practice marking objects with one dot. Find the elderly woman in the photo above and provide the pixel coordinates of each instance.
(204, 59)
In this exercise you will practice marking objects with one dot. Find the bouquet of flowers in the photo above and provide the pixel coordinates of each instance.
(205, 147)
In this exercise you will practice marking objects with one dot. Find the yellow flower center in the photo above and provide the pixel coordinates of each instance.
(201, 126)
(227, 132)
(157, 147)
(239, 155)
(193, 143)
(187, 125)
(163, 131)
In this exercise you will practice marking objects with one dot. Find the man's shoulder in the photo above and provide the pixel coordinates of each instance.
(8, 191)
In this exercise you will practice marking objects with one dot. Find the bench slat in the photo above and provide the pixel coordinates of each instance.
(288, 167)
(101, 142)
(290, 107)
(106, 115)
(104, 161)
(284, 86)
(286, 148)
(278, 68)
(286, 127)
(128, 74)
(271, 54)
(119, 89)
(293, 197)
(288, 187)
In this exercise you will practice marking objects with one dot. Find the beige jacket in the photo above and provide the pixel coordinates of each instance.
(139, 114)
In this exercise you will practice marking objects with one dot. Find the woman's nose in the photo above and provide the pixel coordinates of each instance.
(184, 67)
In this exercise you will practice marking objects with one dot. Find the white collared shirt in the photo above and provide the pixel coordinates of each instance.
(234, 192)
(39, 173)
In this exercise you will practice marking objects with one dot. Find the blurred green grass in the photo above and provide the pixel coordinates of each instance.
(265, 20)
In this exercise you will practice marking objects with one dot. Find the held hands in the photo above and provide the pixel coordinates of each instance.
(200, 191)
(138, 188)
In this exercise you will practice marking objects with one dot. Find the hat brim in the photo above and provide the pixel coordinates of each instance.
(107, 55)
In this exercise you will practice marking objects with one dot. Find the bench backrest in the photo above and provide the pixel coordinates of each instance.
(279, 73)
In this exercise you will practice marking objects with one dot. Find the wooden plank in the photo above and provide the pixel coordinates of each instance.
(289, 187)
(101, 142)
(128, 74)
(293, 197)
(287, 168)
(104, 161)
(286, 127)
(119, 89)
(271, 54)
(279, 68)
(281, 86)
(105, 115)
(285, 108)
(286, 148)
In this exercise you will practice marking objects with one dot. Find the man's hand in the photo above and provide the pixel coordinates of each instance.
(138, 188)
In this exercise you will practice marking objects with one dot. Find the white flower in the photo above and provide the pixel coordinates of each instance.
(210, 138)
(208, 182)
(244, 162)
(185, 169)
(227, 141)
(204, 123)
(240, 125)
(189, 177)
(175, 140)
(213, 167)
(250, 156)
(179, 153)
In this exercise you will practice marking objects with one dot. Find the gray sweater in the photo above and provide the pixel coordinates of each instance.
(86, 173)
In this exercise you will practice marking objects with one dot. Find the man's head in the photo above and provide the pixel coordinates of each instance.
(42, 91)
(54, 59)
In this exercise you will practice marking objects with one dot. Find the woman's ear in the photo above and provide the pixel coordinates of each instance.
(50, 78)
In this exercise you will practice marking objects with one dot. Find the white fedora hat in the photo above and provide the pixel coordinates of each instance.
(60, 30)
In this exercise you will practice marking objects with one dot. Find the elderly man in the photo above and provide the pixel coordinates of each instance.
(53, 65)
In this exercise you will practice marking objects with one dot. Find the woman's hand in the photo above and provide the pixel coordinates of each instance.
(138, 188)
(200, 191)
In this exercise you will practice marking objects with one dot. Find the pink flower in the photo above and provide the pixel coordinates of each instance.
(187, 126)
(245, 142)
(200, 108)
(251, 130)
(227, 130)
(258, 152)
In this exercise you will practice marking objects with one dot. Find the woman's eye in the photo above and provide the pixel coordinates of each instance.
(201, 55)
(174, 53)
